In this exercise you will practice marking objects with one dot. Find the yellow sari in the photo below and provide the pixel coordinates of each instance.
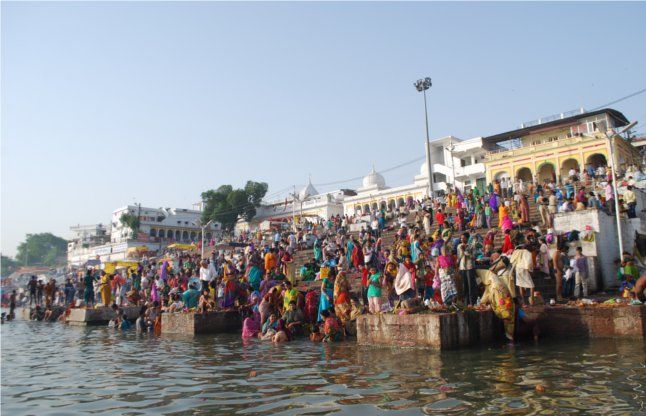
(498, 296)
(106, 290)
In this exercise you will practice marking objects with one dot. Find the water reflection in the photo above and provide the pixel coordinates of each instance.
(52, 369)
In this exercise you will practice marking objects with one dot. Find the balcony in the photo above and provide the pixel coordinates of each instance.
(475, 169)
(526, 150)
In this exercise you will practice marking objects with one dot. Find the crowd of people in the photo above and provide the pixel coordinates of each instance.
(474, 249)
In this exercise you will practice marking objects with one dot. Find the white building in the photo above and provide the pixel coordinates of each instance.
(309, 203)
(160, 224)
(452, 161)
(158, 228)
(85, 238)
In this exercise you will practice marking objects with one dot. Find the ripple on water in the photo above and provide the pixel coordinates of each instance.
(51, 369)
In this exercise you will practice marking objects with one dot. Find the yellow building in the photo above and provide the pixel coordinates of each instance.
(546, 149)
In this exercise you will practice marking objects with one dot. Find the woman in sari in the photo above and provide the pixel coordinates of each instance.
(349, 250)
(342, 306)
(493, 202)
(524, 209)
(230, 285)
(357, 255)
(327, 296)
(154, 293)
(318, 253)
(498, 296)
(311, 306)
(106, 289)
(251, 326)
(254, 275)
(445, 268)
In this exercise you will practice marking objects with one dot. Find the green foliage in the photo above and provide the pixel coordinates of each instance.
(9, 266)
(131, 221)
(44, 249)
(225, 204)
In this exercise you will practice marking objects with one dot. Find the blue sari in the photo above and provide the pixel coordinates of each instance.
(318, 254)
(255, 277)
(348, 254)
(324, 302)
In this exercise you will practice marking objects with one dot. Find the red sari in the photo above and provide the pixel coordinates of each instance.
(357, 256)
(507, 246)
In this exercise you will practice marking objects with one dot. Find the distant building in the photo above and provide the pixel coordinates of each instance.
(308, 204)
(158, 228)
(80, 247)
(453, 161)
(160, 224)
(547, 148)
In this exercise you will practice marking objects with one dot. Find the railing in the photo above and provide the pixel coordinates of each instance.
(504, 153)
(547, 119)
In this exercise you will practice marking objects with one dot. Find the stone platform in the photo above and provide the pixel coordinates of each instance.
(25, 313)
(590, 322)
(99, 316)
(440, 331)
(195, 323)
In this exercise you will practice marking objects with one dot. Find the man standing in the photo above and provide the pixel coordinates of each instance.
(610, 199)
(631, 201)
(559, 262)
(551, 206)
(467, 270)
(504, 185)
(12, 305)
(543, 203)
(581, 274)
(32, 286)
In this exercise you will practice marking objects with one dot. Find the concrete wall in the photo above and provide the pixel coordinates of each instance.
(99, 316)
(193, 323)
(590, 322)
(605, 248)
(438, 331)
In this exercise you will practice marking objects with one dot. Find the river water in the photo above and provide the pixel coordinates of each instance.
(53, 369)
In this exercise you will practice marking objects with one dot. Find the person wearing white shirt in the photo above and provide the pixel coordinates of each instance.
(206, 274)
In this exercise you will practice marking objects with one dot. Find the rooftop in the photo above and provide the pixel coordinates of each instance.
(542, 124)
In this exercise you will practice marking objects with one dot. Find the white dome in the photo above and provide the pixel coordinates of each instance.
(308, 191)
(374, 179)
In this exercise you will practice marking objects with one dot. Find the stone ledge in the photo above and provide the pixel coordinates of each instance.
(591, 322)
(195, 323)
(440, 331)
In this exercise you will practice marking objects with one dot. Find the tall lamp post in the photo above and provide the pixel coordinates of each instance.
(450, 148)
(422, 85)
(204, 227)
(610, 134)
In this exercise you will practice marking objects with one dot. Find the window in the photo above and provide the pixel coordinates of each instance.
(552, 139)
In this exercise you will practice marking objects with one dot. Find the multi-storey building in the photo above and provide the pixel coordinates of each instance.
(160, 224)
(547, 148)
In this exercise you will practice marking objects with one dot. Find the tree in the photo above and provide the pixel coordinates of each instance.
(256, 191)
(131, 221)
(9, 266)
(44, 249)
(225, 204)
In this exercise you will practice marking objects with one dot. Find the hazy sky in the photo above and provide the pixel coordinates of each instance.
(104, 104)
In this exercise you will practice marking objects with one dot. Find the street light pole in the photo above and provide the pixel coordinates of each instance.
(615, 193)
(204, 227)
(450, 149)
(422, 85)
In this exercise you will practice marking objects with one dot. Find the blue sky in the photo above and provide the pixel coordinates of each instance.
(107, 103)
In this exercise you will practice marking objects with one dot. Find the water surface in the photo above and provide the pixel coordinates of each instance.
(53, 369)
